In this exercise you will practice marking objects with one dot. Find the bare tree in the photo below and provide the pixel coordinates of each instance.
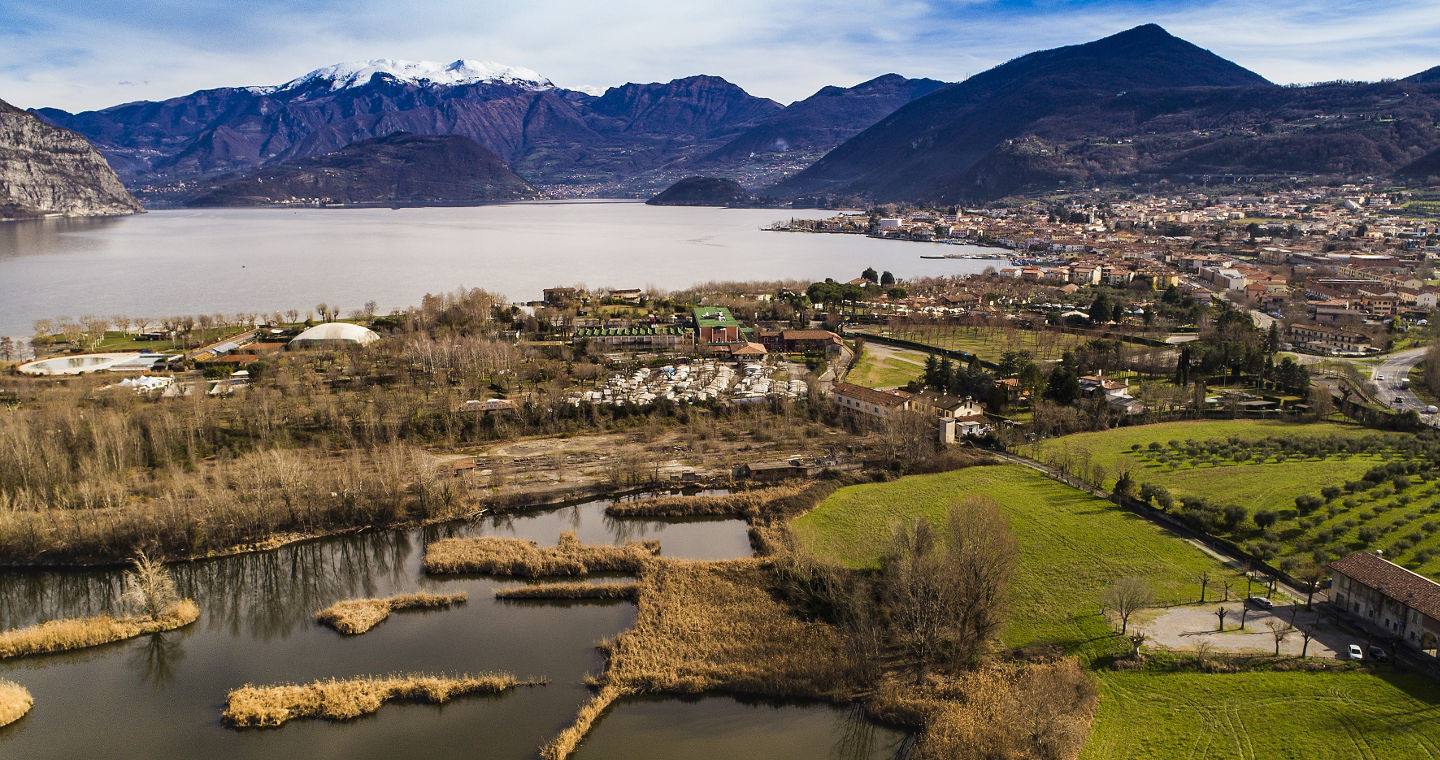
(983, 555)
(1226, 585)
(149, 588)
(1204, 579)
(1220, 613)
(1307, 632)
(919, 592)
(1203, 648)
(1280, 631)
(1137, 638)
(1310, 575)
(1126, 596)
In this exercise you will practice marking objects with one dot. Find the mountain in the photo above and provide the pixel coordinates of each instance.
(925, 148)
(45, 170)
(398, 169)
(703, 191)
(549, 134)
(827, 118)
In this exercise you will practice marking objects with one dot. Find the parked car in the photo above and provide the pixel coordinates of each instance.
(1260, 602)
(1379, 378)
(1355, 653)
(1432, 409)
(1379, 655)
(1399, 401)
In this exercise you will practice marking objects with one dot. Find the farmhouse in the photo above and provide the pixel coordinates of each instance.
(870, 402)
(1404, 604)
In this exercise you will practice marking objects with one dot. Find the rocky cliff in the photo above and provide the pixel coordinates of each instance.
(45, 170)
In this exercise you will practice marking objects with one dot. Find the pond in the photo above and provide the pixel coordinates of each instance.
(162, 695)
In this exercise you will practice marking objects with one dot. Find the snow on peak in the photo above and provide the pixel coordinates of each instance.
(358, 73)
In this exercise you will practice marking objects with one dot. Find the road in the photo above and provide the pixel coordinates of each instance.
(1395, 369)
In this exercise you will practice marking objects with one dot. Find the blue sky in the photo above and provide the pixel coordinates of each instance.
(79, 54)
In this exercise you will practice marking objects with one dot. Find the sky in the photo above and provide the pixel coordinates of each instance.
(85, 54)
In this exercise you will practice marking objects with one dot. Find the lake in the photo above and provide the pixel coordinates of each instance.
(262, 260)
(162, 695)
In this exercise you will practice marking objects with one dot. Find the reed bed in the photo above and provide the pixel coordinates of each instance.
(15, 701)
(356, 616)
(738, 504)
(78, 633)
(565, 591)
(336, 699)
(719, 627)
(527, 559)
(712, 627)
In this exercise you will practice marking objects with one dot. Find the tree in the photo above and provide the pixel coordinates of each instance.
(1101, 310)
(918, 592)
(1307, 632)
(1125, 597)
(1124, 485)
(1137, 638)
(1265, 518)
(1063, 386)
(149, 590)
(886, 279)
(1280, 631)
(1204, 579)
(1310, 575)
(870, 275)
(983, 555)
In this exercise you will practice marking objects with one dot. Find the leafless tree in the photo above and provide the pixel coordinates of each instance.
(919, 592)
(1204, 579)
(149, 588)
(1137, 639)
(1125, 597)
(983, 555)
(1220, 613)
(1307, 632)
(1203, 648)
(1280, 631)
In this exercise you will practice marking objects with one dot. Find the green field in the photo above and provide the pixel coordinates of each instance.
(1315, 716)
(886, 368)
(1208, 460)
(1072, 545)
(989, 343)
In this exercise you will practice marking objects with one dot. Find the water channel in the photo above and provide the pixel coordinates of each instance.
(162, 695)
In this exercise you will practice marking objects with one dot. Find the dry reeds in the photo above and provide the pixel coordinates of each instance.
(78, 633)
(356, 616)
(527, 559)
(738, 504)
(15, 701)
(335, 699)
(566, 741)
(566, 591)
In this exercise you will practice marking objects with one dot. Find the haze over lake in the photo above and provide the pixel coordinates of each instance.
(261, 260)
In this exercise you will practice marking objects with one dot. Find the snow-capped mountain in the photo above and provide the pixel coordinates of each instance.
(358, 74)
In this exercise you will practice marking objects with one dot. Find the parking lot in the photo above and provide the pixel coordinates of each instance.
(1182, 627)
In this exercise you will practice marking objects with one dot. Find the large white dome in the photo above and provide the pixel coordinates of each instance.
(335, 332)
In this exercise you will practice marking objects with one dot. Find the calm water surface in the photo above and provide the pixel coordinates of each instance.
(261, 260)
(161, 696)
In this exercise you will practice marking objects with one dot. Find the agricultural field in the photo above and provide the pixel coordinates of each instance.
(1072, 545)
(1293, 494)
(881, 366)
(1260, 714)
(989, 343)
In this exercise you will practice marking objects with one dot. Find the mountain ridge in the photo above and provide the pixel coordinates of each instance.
(46, 170)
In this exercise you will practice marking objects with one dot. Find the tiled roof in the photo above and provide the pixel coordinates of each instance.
(1410, 589)
(869, 395)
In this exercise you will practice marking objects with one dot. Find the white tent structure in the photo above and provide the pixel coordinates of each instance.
(334, 334)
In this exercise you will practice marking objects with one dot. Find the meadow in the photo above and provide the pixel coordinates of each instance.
(1265, 714)
(886, 367)
(1072, 546)
(1357, 488)
(989, 343)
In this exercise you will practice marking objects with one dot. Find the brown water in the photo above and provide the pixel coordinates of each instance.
(261, 260)
(161, 696)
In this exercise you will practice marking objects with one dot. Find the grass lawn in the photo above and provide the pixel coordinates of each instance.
(1316, 716)
(1403, 521)
(1072, 545)
(886, 368)
(990, 343)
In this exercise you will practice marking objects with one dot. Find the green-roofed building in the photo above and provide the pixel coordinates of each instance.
(715, 324)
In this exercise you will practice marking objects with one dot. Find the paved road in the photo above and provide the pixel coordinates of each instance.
(1396, 368)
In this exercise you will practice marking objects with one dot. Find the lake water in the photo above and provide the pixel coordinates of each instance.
(263, 260)
(162, 695)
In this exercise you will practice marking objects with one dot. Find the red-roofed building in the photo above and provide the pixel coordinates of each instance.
(1404, 604)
